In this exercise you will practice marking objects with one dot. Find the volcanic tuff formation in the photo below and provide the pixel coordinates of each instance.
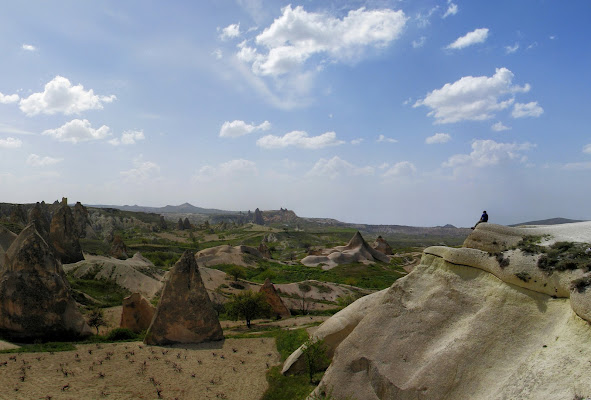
(63, 236)
(382, 246)
(118, 248)
(278, 308)
(357, 250)
(185, 313)
(6, 239)
(480, 322)
(137, 313)
(35, 297)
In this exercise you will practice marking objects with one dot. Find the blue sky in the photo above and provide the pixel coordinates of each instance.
(386, 112)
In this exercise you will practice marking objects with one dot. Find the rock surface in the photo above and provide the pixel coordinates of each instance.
(279, 310)
(258, 217)
(35, 297)
(382, 246)
(357, 250)
(463, 325)
(6, 239)
(226, 254)
(118, 248)
(137, 313)
(264, 250)
(184, 314)
(63, 236)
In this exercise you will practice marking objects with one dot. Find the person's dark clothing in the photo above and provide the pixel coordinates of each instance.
(484, 217)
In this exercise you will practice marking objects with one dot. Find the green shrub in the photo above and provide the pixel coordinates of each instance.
(121, 334)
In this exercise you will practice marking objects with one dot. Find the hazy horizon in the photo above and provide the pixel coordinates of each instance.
(418, 113)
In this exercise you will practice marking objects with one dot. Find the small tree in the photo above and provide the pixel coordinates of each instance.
(314, 351)
(96, 318)
(248, 306)
(236, 272)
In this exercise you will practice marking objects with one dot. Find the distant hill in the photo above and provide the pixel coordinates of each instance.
(549, 221)
(185, 208)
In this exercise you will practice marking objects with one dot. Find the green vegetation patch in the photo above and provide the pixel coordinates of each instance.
(564, 256)
(107, 293)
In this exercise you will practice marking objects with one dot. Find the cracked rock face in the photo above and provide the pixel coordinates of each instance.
(185, 313)
(277, 306)
(63, 236)
(137, 313)
(35, 298)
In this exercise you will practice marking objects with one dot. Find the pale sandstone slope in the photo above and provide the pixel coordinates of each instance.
(462, 327)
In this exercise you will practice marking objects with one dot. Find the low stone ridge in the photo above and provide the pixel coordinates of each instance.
(35, 297)
(226, 254)
(184, 314)
(357, 250)
(469, 324)
(118, 248)
(136, 274)
(382, 246)
(279, 309)
(63, 236)
(137, 313)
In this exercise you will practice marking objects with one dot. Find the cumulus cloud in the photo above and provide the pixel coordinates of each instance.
(233, 169)
(299, 139)
(29, 47)
(488, 153)
(10, 143)
(531, 109)
(356, 141)
(142, 171)
(9, 98)
(469, 39)
(37, 161)
(438, 138)
(59, 96)
(217, 53)
(78, 131)
(587, 148)
(512, 49)
(297, 35)
(499, 127)
(239, 128)
(452, 9)
(472, 98)
(384, 139)
(128, 137)
(230, 32)
(420, 42)
(336, 167)
(400, 169)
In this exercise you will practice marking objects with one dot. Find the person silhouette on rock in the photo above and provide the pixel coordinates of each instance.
(483, 218)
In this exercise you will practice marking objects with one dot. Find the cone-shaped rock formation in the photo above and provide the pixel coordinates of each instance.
(35, 298)
(382, 246)
(185, 313)
(64, 237)
(137, 313)
(278, 308)
(118, 248)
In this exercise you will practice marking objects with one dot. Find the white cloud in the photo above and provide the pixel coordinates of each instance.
(499, 127)
(452, 9)
(587, 148)
(512, 49)
(470, 38)
(419, 43)
(9, 98)
(233, 169)
(29, 47)
(217, 53)
(299, 139)
(400, 169)
(356, 141)
(60, 96)
(578, 166)
(230, 32)
(336, 167)
(531, 109)
(37, 161)
(471, 98)
(488, 152)
(78, 131)
(438, 138)
(239, 128)
(10, 143)
(143, 170)
(4, 128)
(384, 139)
(128, 137)
(424, 20)
(297, 35)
